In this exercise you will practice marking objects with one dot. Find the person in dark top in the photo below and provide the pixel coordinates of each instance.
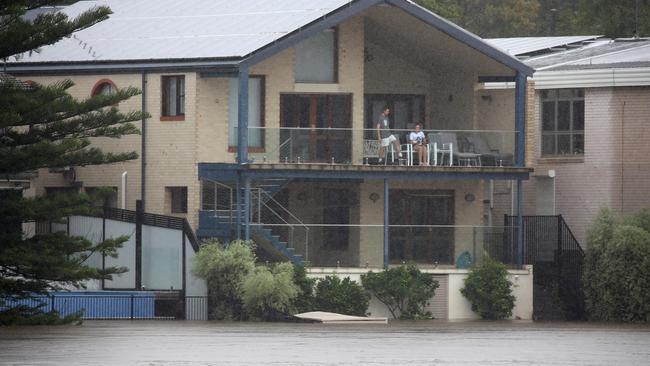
(384, 135)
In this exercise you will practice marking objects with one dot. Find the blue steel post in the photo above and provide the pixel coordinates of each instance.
(238, 205)
(520, 118)
(242, 113)
(520, 122)
(386, 225)
(520, 225)
(247, 208)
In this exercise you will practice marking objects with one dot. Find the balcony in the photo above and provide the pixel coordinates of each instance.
(345, 146)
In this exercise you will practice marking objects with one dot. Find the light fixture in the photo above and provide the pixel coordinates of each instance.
(373, 197)
(470, 197)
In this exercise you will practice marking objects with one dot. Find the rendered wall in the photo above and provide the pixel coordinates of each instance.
(456, 307)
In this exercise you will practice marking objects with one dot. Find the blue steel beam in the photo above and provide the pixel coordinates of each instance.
(520, 118)
(225, 171)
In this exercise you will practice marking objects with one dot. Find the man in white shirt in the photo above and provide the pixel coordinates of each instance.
(419, 142)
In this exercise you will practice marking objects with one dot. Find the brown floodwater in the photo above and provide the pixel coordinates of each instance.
(154, 343)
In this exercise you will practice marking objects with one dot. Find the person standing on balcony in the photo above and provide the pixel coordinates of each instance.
(384, 136)
(419, 142)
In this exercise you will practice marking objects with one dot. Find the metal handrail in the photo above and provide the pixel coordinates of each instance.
(291, 226)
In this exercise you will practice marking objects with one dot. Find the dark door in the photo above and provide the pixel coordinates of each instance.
(413, 236)
(315, 127)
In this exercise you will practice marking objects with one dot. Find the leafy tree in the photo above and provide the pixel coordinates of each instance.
(613, 18)
(489, 291)
(487, 18)
(304, 302)
(341, 296)
(42, 126)
(616, 279)
(405, 290)
(269, 290)
(225, 268)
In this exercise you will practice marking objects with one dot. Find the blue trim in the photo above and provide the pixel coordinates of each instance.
(462, 35)
(520, 225)
(327, 21)
(225, 171)
(386, 224)
(520, 119)
(242, 116)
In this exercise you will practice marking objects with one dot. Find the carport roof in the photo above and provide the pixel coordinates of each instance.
(214, 33)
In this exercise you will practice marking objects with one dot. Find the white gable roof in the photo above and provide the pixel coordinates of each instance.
(181, 29)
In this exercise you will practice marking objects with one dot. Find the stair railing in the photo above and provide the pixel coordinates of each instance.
(263, 200)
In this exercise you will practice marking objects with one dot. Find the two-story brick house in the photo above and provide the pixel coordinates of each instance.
(263, 126)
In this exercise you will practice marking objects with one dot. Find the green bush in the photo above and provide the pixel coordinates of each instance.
(488, 290)
(616, 279)
(269, 290)
(340, 296)
(304, 302)
(405, 290)
(224, 267)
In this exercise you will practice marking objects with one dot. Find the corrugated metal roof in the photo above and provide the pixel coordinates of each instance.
(188, 29)
(522, 45)
(602, 54)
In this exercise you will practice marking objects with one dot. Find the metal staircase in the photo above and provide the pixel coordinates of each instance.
(273, 227)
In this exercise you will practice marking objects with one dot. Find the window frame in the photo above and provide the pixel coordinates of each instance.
(262, 147)
(165, 114)
(97, 88)
(577, 95)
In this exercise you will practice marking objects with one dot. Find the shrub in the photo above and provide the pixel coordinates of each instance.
(341, 296)
(616, 279)
(269, 290)
(224, 267)
(304, 302)
(405, 290)
(488, 290)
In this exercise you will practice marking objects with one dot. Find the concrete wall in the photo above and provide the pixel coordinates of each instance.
(457, 307)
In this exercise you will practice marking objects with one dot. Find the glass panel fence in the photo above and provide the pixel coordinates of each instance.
(355, 146)
(362, 246)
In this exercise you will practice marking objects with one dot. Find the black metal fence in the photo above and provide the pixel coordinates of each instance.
(135, 306)
(558, 261)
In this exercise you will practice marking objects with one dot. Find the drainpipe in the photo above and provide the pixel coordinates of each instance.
(143, 153)
(123, 200)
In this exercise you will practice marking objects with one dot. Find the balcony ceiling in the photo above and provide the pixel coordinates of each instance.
(425, 46)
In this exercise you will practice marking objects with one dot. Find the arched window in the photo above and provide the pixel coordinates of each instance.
(105, 87)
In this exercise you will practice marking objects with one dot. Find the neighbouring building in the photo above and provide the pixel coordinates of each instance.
(589, 131)
(264, 125)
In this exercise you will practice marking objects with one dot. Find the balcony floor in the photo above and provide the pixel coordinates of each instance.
(352, 171)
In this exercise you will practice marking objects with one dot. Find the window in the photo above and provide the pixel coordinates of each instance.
(563, 122)
(405, 110)
(176, 198)
(317, 58)
(104, 87)
(173, 98)
(255, 111)
(336, 211)
(105, 196)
